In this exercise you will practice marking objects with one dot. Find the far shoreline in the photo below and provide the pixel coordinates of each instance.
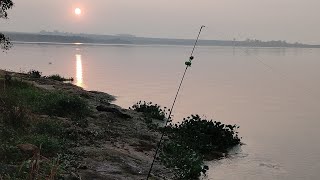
(124, 39)
(155, 45)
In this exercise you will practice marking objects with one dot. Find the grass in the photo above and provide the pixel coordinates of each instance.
(20, 106)
(50, 145)
(54, 103)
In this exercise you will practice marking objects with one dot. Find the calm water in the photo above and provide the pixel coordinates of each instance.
(272, 93)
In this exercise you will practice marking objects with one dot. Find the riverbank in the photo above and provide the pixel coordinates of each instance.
(108, 142)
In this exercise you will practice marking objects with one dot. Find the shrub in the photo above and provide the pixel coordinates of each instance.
(187, 163)
(194, 139)
(204, 136)
(151, 110)
(57, 77)
(35, 74)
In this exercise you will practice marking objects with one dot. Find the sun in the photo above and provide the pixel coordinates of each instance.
(77, 11)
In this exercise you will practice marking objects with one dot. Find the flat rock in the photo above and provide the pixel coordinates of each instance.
(112, 110)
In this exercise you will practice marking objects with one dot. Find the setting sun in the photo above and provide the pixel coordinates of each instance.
(77, 11)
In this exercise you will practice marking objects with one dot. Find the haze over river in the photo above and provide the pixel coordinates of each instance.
(272, 93)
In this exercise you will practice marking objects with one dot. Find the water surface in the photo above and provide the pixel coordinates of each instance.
(272, 93)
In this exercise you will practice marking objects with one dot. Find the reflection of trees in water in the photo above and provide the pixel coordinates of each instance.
(260, 51)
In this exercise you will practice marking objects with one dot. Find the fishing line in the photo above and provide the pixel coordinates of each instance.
(188, 64)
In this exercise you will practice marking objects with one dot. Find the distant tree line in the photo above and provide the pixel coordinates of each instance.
(64, 37)
(273, 43)
(5, 5)
(72, 38)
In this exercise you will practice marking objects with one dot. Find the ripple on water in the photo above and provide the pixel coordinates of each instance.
(242, 166)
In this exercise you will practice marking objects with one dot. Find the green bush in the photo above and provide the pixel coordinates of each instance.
(151, 110)
(57, 77)
(35, 73)
(204, 136)
(193, 140)
(187, 163)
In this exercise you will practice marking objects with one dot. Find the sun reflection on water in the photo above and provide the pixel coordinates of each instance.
(79, 71)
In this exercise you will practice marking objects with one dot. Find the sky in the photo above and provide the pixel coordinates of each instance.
(291, 20)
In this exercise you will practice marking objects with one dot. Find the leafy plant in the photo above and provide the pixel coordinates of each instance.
(204, 136)
(188, 164)
(194, 140)
(5, 43)
(151, 110)
(35, 74)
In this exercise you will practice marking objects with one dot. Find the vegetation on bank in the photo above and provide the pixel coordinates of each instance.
(56, 77)
(34, 145)
(192, 141)
(151, 110)
(39, 127)
(195, 140)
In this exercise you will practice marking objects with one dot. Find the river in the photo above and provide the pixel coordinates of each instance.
(271, 93)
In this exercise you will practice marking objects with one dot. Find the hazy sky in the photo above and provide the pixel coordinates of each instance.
(292, 20)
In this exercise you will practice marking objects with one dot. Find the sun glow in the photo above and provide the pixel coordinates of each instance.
(79, 76)
(77, 11)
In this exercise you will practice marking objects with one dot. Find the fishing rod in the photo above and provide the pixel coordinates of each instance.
(188, 64)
